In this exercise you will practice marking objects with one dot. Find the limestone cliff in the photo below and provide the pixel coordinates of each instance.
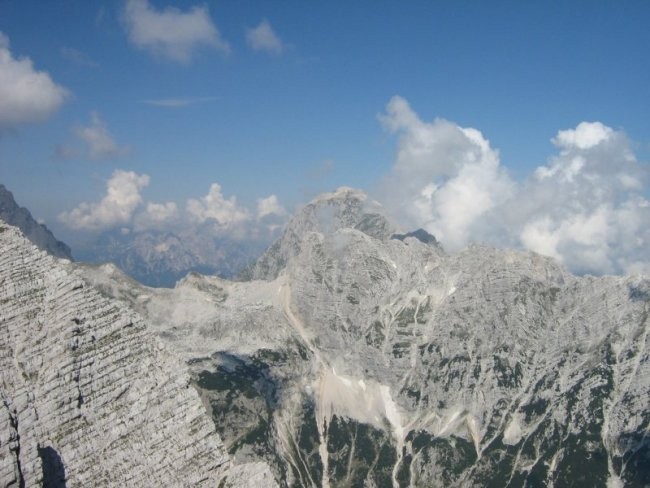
(89, 397)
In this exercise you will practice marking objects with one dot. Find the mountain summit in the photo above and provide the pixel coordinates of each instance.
(40, 235)
(325, 214)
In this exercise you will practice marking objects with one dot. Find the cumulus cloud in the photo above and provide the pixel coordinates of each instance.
(263, 38)
(213, 206)
(445, 177)
(122, 209)
(116, 208)
(269, 206)
(172, 33)
(586, 207)
(157, 216)
(586, 135)
(26, 95)
(98, 143)
(122, 206)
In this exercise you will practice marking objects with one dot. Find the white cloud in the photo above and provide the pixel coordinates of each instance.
(178, 102)
(213, 206)
(445, 177)
(586, 207)
(172, 33)
(116, 208)
(263, 38)
(162, 212)
(580, 240)
(539, 236)
(26, 95)
(586, 135)
(98, 141)
(122, 209)
(269, 206)
(157, 216)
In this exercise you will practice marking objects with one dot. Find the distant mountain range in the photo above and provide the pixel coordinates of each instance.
(161, 258)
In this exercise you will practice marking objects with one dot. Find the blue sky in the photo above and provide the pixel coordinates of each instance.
(300, 113)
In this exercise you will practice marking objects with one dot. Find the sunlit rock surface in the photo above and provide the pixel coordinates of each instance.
(90, 397)
(326, 214)
(363, 357)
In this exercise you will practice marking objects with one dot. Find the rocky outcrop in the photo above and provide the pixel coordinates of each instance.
(39, 234)
(89, 397)
(366, 360)
(344, 208)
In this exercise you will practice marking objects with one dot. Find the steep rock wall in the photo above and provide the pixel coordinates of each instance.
(88, 397)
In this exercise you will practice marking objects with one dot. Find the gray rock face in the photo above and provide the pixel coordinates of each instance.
(362, 360)
(89, 397)
(40, 235)
(345, 208)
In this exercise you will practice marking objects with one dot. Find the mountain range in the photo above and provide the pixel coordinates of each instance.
(152, 257)
(161, 258)
(351, 353)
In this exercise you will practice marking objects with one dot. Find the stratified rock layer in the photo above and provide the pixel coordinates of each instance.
(88, 396)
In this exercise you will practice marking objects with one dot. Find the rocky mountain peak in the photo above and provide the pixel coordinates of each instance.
(345, 208)
(39, 234)
(341, 195)
(419, 234)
